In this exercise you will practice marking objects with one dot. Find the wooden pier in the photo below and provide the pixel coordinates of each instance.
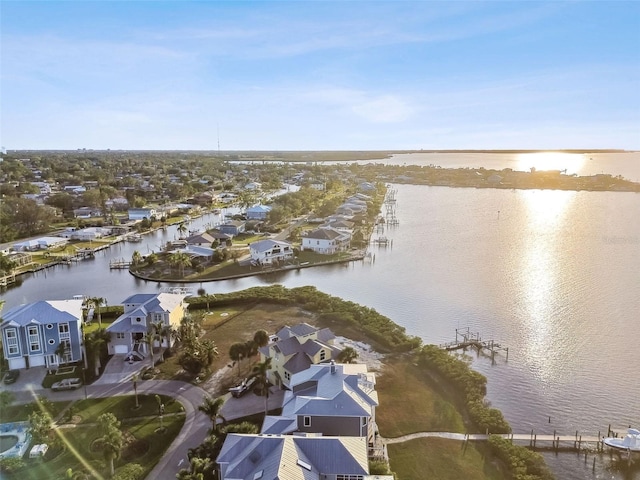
(119, 264)
(466, 339)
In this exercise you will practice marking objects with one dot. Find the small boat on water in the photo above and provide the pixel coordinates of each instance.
(629, 443)
(136, 237)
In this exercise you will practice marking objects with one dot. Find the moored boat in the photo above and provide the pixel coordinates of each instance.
(629, 443)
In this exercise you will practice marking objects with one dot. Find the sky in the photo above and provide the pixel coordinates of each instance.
(319, 75)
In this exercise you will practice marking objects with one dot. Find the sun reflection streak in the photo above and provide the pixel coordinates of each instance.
(570, 163)
(541, 276)
(63, 439)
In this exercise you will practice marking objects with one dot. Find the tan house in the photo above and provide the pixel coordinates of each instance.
(294, 349)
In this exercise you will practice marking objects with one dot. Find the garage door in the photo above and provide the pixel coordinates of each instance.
(36, 361)
(17, 363)
(121, 349)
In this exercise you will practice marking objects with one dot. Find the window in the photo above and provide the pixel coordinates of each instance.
(12, 341)
(120, 335)
(51, 341)
(49, 326)
(323, 355)
(63, 330)
(307, 421)
(349, 477)
(34, 339)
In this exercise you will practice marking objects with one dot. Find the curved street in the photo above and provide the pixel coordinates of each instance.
(192, 434)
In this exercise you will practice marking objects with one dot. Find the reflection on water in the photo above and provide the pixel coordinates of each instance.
(569, 162)
(546, 216)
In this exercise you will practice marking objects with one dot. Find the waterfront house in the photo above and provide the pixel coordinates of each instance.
(233, 227)
(294, 349)
(326, 241)
(267, 252)
(41, 243)
(45, 333)
(329, 399)
(141, 312)
(201, 239)
(260, 457)
(86, 212)
(258, 212)
(141, 213)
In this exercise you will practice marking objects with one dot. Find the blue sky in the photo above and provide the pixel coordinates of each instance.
(317, 75)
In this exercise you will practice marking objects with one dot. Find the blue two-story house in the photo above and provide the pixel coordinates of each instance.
(32, 334)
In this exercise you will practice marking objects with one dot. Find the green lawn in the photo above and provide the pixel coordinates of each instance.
(123, 407)
(409, 404)
(440, 459)
(20, 413)
(144, 442)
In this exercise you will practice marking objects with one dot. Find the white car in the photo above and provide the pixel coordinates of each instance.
(67, 384)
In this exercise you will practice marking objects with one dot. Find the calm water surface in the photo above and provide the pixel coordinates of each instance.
(553, 275)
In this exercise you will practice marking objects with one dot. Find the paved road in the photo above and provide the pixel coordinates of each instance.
(196, 423)
(192, 434)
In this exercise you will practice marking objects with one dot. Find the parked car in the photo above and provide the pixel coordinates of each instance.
(67, 384)
(11, 376)
(244, 387)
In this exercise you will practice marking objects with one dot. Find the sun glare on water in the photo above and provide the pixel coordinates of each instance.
(568, 163)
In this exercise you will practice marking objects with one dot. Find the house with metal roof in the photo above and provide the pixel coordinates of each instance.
(233, 227)
(294, 349)
(268, 252)
(266, 457)
(141, 312)
(326, 241)
(257, 212)
(329, 399)
(33, 333)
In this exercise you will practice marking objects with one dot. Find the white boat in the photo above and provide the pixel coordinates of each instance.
(629, 443)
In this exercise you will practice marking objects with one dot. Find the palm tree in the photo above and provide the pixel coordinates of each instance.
(93, 344)
(150, 338)
(211, 408)
(182, 229)
(97, 302)
(181, 260)
(347, 355)
(112, 438)
(136, 258)
(236, 353)
(261, 338)
(260, 373)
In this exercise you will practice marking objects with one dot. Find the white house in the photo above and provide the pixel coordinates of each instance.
(267, 252)
(258, 212)
(142, 213)
(253, 186)
(326, 241)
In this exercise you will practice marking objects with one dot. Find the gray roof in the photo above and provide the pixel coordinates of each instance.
(264, 245)
(147, 303)
(349, 391)
(201, 238)
(291, 457)
(297, 330)
(324, 234)
(44, 311)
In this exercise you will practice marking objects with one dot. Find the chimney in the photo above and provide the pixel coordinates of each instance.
(333, 367)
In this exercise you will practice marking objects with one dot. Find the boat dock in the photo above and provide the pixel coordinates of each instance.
(120, 264)
(466, 339)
